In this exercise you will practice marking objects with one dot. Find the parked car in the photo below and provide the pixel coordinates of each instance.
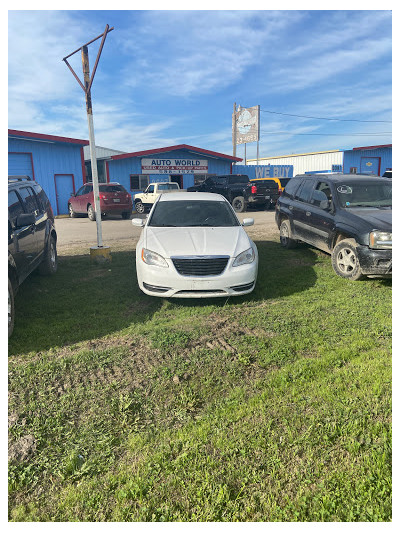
(144, 201)
(345, 215)
(193, 246)
(264, 192)
(114, 200)
(32, 238)
(236, 188)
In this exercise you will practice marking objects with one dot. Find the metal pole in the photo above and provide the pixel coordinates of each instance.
(89, 111)
(234, 130)
(245, 159)
(257, 151)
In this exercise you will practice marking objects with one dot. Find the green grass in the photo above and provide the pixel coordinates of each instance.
(270, 407)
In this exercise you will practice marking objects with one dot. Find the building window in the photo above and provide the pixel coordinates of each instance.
(101, 171)
(139, 182)
(353, 170)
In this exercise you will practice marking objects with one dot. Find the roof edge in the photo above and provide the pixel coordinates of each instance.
(373, 147)
(45, 137)
(176, 147)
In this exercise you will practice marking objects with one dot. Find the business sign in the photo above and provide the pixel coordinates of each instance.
(174, 166)
(247, 124)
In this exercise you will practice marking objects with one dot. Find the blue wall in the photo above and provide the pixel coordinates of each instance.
(121, 169)
(264, 171)
(352, 158)
(50, 158)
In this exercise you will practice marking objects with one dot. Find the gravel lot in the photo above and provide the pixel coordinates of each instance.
(82, 232)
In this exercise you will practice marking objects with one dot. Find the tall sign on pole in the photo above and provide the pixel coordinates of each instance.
(245, 125)
(100, 252)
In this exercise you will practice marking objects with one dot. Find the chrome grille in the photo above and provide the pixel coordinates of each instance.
(200, 265)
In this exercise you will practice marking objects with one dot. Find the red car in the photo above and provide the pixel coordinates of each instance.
(114, 200)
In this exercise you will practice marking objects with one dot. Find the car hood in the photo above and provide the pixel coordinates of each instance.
(380, 219)
(170, 242)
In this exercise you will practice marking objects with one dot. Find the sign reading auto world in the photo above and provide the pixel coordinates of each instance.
(174, 166)
(247, 125)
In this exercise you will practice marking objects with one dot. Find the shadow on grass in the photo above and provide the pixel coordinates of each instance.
(86, 301)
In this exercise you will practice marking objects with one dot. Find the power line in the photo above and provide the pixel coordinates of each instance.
(383, 133)
(323, 118)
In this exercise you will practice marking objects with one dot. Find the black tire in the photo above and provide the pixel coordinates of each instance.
(91, 212)
(50, 261)
(285, 235)
(239, 204)
(71, 211)
(139, 207)
(11, 308)
(126, 215)
(345, 261)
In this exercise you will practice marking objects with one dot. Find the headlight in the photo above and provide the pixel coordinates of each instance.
(151, 258)
(380, 239)
(244, 258)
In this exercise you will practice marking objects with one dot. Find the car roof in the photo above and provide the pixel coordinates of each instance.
(180, 196)
(341, 177)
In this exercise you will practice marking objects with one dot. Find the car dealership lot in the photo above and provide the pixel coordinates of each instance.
(82, 231)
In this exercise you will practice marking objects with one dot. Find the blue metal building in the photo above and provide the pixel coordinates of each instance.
(56, 163)
(368, 159)
(182, 164)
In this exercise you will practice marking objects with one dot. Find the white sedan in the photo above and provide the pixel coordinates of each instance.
(193, 246)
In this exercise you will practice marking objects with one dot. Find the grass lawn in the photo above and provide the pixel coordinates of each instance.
(270, 407)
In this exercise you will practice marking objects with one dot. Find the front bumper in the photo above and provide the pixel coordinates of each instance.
(375, 262)
(168, 283)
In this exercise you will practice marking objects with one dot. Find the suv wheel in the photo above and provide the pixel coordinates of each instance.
(71, 211)
(238, 204)
(285, 235)
(139, 207)
(345, 260)
(91, 213)
(11, 309)
(49, 264)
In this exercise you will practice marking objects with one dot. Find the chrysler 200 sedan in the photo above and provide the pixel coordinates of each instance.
(193, 246)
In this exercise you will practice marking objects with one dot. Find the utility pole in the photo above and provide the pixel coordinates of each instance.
(100, 252)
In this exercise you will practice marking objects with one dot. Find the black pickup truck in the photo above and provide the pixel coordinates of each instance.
(236, 188)
(264, 192)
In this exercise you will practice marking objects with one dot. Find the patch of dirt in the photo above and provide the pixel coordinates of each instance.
(22, 450)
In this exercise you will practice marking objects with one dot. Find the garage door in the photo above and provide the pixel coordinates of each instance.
(20, 165)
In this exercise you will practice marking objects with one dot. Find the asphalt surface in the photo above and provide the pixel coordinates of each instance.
(77, 232)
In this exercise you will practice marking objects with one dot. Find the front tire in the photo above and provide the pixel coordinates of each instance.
(71, 211)
(285, 235)
(50, 262)
(345, 261)
(11, 308)
(91, 213)
(139, 207)
(238, 204)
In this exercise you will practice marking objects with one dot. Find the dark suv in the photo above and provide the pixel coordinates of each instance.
(32, 238)
(235, 187)
(347, 215)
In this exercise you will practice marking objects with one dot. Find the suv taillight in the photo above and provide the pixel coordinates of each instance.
(102, 196)
(253, 189)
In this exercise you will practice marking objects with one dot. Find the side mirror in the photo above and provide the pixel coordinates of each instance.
(72, 194)
(138, 222)
(25, 219)
(248, 222)
(324, 204)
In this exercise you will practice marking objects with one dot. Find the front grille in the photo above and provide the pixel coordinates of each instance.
(200, 266)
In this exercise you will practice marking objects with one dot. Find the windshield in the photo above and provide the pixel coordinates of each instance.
(191, 213)
(365, 194)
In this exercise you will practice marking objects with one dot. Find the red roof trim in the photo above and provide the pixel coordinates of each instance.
(373, 147)
(177, 147)
(44, 137)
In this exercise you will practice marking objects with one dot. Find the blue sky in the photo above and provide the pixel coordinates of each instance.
(172, 77)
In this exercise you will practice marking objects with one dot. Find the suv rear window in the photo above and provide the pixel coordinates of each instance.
(291, 187)
(304, 193)
(111, 188)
